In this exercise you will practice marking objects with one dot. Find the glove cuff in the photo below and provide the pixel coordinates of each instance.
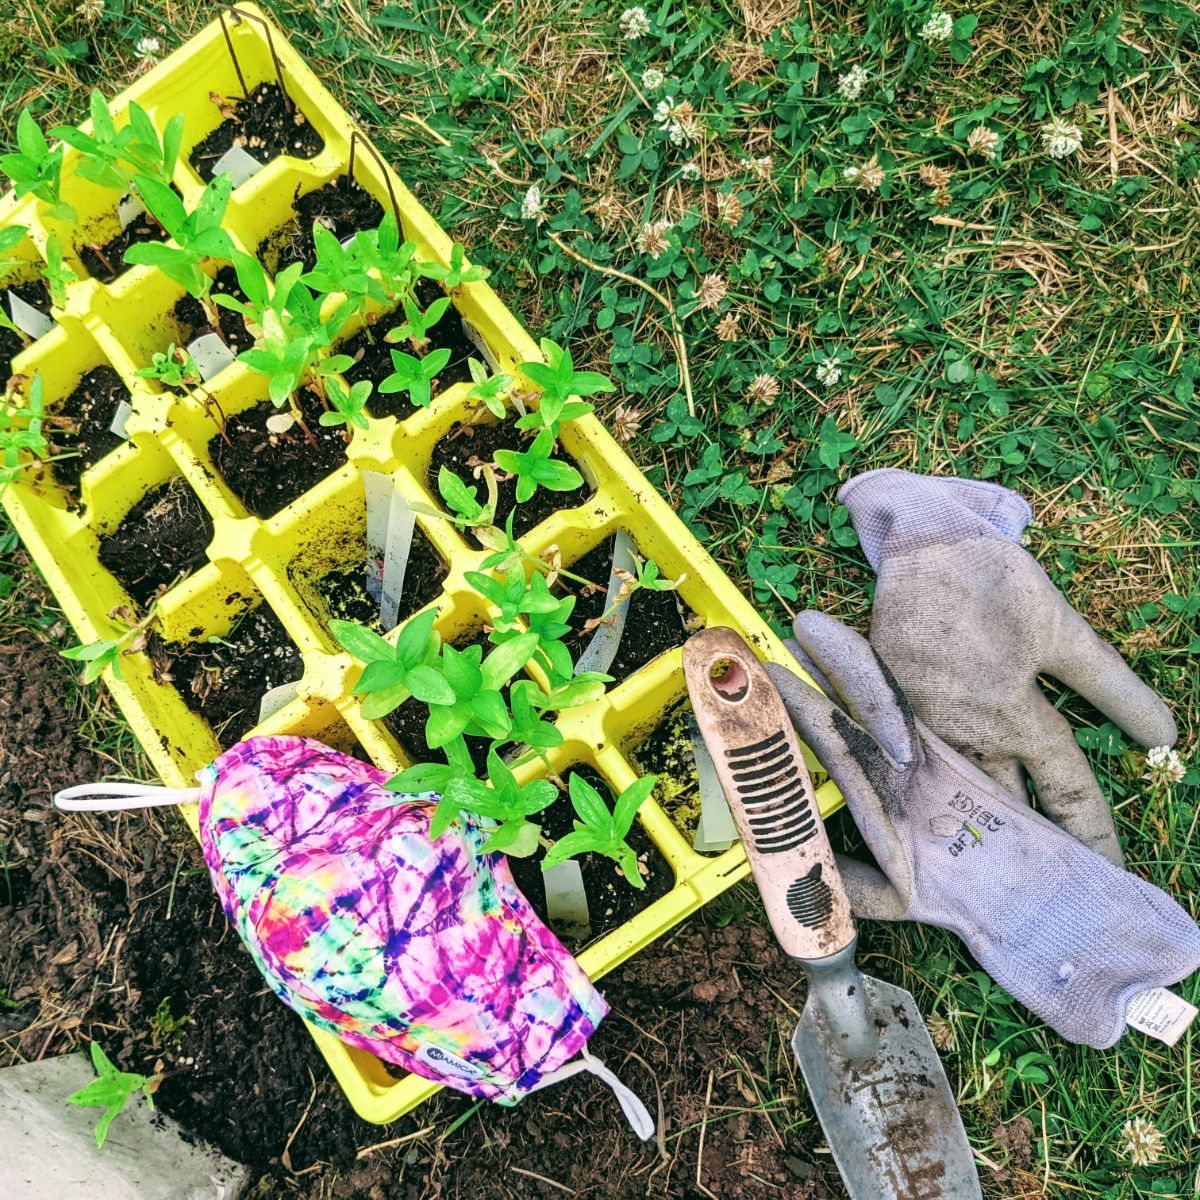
(895, 512)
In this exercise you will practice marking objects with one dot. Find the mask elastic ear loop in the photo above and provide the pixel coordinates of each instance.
(116, 797)
(635, 1111)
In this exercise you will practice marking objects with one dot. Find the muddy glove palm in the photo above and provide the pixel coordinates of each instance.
(1067, 933)
(967, 620)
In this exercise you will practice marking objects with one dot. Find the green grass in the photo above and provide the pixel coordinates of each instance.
(1033, 323)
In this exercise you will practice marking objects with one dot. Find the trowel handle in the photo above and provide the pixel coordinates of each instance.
(770, 794)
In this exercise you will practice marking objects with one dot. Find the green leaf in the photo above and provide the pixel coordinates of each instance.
(505, 661)
(415, 637)
(446, 723)
(518, 838)
(581, 841)
(588, 803)
(630, 800)
(422, 777)
(427, 684)
(463, 675)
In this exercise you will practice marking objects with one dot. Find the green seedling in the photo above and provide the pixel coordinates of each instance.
(458, 272)
(290, 334)
(416, 329)
(648, 577)
(393, 673)
(342, 270)
(461, 500)
(598, 831)
(562, 389)
(501, 799)
(390, 260)
(175, 368)
(528, 604)
(56, 273)
(489, 389)
(111, 1090)
(415, 375)
(112, 157)
(197, 235)
(36, 170)
(536, 468)
(348, 406)
(21, 431)
(107, 652)
(166, 1029)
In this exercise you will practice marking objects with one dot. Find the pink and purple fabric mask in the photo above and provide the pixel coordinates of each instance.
(423, 953)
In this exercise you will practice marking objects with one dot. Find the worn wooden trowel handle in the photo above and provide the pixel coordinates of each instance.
(760, 766)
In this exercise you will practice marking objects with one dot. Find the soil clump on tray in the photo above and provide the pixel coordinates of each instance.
(163, 536)
(611, 899)
(106, 261)
(224, 681)
(194, 322)
(468, 445)
(265, 124)
(82, 424)
(267, 471)
(374, 354)
(343, 207)
(653, 624)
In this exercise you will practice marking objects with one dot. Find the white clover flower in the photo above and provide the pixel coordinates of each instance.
(664, 110)
(689, 172)
(652, 241)
(1060, 139)
(149, 48)
(653, 79)
(937, 28)
(1164, 766)
(634, 23)
(851, 174)
(851, 84)
(829, 372)
(1141, 1142)
(760, 168)
(533, 205)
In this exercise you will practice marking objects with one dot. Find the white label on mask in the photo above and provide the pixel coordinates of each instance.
(446, 1063)
(1161, 1014)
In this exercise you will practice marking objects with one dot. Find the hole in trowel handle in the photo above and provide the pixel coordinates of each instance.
(729, 679)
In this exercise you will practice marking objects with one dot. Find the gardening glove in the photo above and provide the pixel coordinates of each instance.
(967, 620)
(1066, 932)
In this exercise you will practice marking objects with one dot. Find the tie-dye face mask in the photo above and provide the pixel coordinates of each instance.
(422, 953)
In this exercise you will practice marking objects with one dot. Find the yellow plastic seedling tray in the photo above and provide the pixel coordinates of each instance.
(278, 560)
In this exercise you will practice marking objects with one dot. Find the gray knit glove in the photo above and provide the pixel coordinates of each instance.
(1071, 936)
(967, 620)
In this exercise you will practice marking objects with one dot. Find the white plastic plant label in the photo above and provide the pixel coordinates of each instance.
(377, 489)
(401, 523)
(600, 651)
(28, 319)
(210, 355)
(239, 163)
(121, 419)
(275, 699)
(566, 900)
(715, 829)
(129, 208)
(476, 339)
(1161, 1014)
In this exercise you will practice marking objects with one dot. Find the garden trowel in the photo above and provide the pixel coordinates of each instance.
(874, 1076)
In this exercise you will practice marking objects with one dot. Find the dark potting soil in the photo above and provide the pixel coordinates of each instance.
(467, 445)
(11, 344)
(194, 322)
(106, 261)
(265, 124)
(89, 409)
(163, 536)
(611, 899)
(224, 681)
(374, 355)
(653, 625)
(344, 592)
(667, 752)
(343, 207)
(267, 471)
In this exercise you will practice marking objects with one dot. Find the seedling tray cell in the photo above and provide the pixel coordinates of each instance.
(279, 560)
